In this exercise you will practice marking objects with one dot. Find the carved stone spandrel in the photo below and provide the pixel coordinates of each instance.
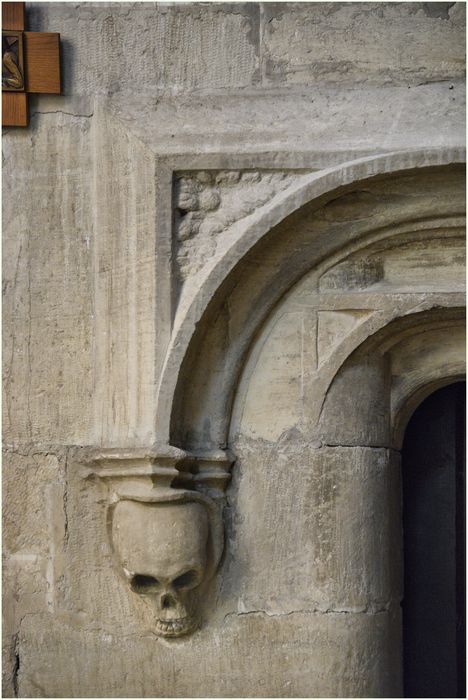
(207, 203)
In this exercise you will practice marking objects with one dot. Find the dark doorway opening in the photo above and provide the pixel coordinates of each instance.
(433, 469)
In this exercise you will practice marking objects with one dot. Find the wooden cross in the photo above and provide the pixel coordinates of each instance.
(30, 63)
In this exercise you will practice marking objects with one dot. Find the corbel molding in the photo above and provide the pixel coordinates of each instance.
(168, 467)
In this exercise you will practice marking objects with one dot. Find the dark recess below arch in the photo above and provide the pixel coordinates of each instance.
(433, 470)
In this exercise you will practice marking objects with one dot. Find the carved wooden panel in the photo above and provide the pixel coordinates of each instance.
(12, 61)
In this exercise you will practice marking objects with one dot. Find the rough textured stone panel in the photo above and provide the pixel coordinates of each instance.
(139, 47)
(376, 43)
(207, 203)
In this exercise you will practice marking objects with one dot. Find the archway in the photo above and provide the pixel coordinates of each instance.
(306, 363)
(343, 237)
(433, 476)
(270, 251)
(302, 358)
(340, 478)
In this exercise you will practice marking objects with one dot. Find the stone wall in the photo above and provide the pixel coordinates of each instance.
(225, 205)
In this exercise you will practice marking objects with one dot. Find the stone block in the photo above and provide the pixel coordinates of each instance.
(33, 545)
(140, 48)
(34, 484)
(255, 655)
(356, 409)
(273, 377)
(47, 277)
(373, 43)
(315, 529)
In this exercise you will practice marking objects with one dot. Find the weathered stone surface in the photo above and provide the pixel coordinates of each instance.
(275, 377)
(33, 545)
(47, 281)
(36, 480)
(137, 48)
(237, 228)
(148, 667)
(241, 45)
(399, 43)
(301, 534)
(130, 320)
(279, 119)
(207, 203)
(356, 409)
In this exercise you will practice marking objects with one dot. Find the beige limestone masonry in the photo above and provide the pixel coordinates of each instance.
(233, 267)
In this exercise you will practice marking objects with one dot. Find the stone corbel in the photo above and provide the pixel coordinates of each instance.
(165, 526)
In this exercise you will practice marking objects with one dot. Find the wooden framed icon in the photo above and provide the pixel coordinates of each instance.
(30, 64)
(12, 61)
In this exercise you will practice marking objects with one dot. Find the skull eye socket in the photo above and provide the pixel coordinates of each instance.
(189, 579)
(141, 583)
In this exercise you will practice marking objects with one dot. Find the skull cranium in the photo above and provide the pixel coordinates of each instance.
(162, 548)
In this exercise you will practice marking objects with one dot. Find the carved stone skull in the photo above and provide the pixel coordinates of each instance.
(162, 548)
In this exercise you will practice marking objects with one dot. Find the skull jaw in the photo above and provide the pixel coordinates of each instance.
(176, 628)
(178, 621)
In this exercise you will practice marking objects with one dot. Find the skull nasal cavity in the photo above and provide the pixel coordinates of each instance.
(167, 601)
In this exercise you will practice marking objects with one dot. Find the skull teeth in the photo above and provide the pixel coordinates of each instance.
(175, 628)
